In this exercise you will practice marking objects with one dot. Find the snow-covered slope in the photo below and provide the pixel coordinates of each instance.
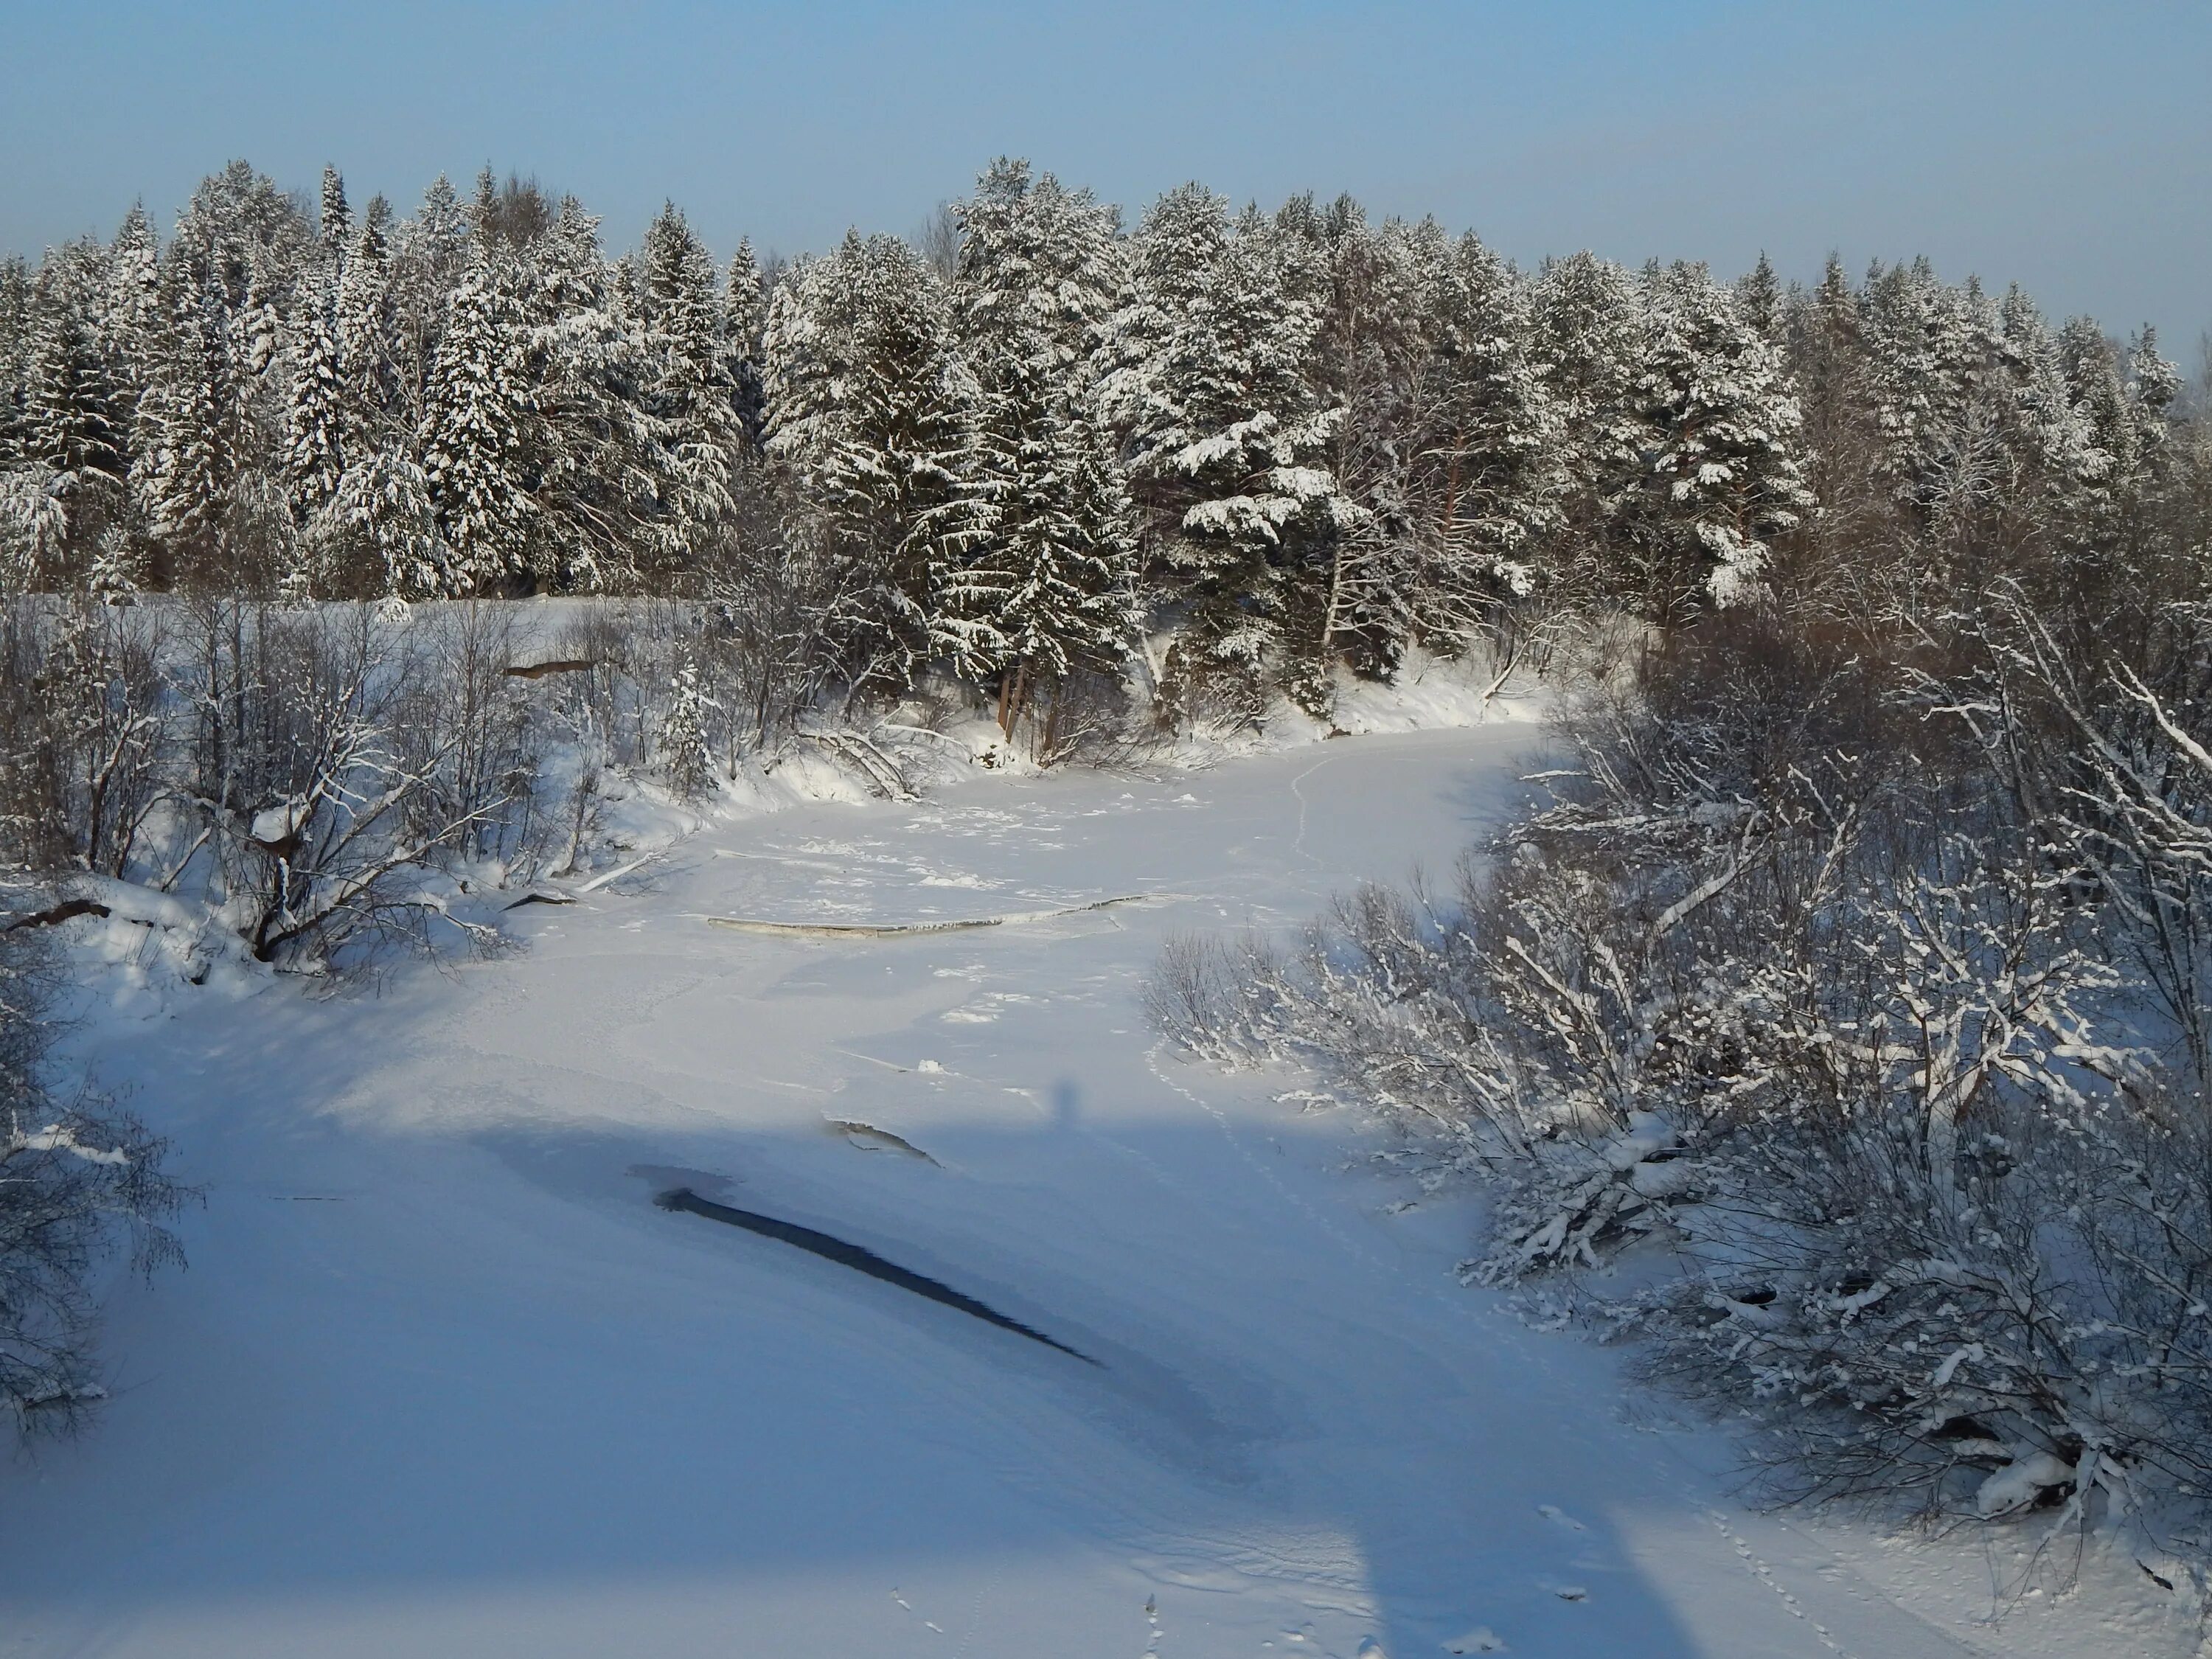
(442, 1380)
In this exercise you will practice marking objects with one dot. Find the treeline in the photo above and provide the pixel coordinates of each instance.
(1279, 446)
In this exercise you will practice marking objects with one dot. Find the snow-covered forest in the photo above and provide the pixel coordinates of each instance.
(1305, 438)
(1836, 1028)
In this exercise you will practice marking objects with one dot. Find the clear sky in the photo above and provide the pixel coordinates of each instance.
(2067, 146)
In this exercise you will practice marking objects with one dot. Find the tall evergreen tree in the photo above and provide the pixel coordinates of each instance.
(1225, 438)
(134, 317)
(473, 436)
(867, 405)
(430, 254)
(1721, 458)
(316, 413)
(1483, 480)
(1590, 337)
(367, 345)
(688, 390)
(744, 317)
(593, 454)
(187, 475)
(334, 227)
(17, 326)
(1033, 569)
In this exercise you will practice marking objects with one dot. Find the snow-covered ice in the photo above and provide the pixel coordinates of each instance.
(441, 1381)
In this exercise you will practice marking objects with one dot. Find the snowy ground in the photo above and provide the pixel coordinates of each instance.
(441, 1381)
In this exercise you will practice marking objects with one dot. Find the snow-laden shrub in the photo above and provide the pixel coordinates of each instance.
(1821, 1063)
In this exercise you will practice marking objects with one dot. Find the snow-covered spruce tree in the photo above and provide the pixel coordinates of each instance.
(75, 426)
(246, 235)
(1222, 436)
(593, 459)
(476, 405)
(15, 330)
(367, 339)
(429, 254)
(2109, 473)
(1720, 470)
(1759, 299)
(1929, 348)
(1860, 538)
(334, 224)
(382, 528)
(688, 392)
(1033, 570)
(194, 416)
(745, 316)
(867, 406)
(132, 315)
(315, 414)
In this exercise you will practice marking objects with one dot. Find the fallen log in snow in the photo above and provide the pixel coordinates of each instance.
(67, 910)
(861, 1260)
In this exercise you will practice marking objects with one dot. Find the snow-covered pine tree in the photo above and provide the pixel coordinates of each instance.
(1482, 482)
(134, 318)
(429, 254)
(1372, 293)
(1721, 452)
(334, 228)
(592, 451)
(73, 418)
(2155, 399)
(1224, 440)
(478, 403)
(381, 529)
(2102, 510)
(75, 428)
(2030, 407)
(1589, 339)
(185, 477)
(1033, 573)
(688, 394)
(315, 416)
(867, 405)
(367, 341)
(1827, 361)
(1759, 297)
(16, 319)
(1929, 350)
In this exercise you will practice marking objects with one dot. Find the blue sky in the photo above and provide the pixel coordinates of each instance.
(2067, 146)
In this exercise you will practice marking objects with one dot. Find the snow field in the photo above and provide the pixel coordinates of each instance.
(442, 1380)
